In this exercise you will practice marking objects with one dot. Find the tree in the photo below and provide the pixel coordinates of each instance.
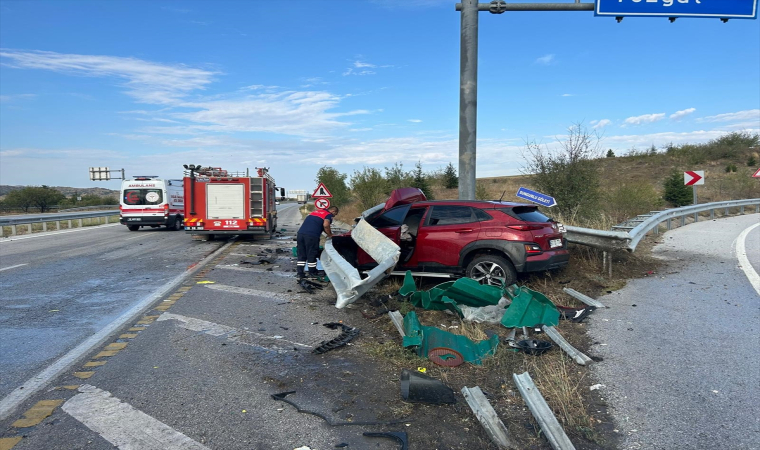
(396, 177)
(420, 181)
(568, 173)
(369, 187)
(610, 153)
(450, 177)
(336, 184)
(677, 193)
(42, 197)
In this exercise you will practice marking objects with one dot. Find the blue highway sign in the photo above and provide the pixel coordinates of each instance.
(722, 9)
(536, 197)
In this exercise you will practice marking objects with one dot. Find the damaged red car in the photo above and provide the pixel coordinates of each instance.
(489, 241)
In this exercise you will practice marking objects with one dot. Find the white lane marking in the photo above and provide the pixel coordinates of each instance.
(741, 255)
(252, 292)
(37, 382)
(122, 425)
(255, 270)
(215, 329)
(54, 233)
(13, 267)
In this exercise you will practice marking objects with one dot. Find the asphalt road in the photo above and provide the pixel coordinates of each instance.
(60, 288)
(680, 347)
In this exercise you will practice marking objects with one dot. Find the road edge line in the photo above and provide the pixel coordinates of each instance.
(37, 382)
(741, 255)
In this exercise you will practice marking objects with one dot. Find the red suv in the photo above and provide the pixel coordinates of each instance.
(490, 241)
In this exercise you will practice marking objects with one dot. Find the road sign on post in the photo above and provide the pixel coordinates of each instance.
(718, 9)
(321, 192)
(693, 178)
(322, 203)
(536, 197)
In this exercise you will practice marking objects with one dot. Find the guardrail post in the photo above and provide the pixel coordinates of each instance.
(57, 225)
(13, 230)
(726, 212)
(741, 209)
(106, 219)
(669, 226)
(683, 220)
(607, 263)
(44, 226)
(69, 224)
(29, 228)
(712, 214)
(80, 223)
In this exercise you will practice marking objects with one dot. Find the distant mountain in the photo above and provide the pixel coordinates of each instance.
(67, 191)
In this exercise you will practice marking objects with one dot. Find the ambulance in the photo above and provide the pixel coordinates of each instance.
(148, 201)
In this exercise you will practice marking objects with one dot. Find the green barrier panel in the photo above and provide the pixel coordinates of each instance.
(529, 308)
(448, 295)
(423, 338)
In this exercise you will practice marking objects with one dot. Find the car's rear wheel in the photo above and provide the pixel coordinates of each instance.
(133, 227)
(492, 270)
(177, 224)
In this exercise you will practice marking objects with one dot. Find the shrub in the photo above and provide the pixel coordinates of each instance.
(630, 199)
(677, 193)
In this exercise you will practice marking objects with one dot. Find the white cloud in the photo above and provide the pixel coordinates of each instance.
(646, 118)
(148, 82)
(414, 120)
(545, 60)
(568, 95)
(749, 115)
(678, 115)
(359, 64)
(15, 97)
(599, 124)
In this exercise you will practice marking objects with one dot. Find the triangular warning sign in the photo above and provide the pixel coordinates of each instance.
(757, 174)
(321, 191)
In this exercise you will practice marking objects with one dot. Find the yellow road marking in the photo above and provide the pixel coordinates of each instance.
(84, 375)
(116, 346)
(9, 443)
(128, 336)
(36, 413)
(93, 364)
(105, 353)
(136, 329)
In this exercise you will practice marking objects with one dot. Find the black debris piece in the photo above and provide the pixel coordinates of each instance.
(308, 285)
(347, 334)
(399, 436)
(281, 398)
(534, 346)
(419, 388)
(575, 314)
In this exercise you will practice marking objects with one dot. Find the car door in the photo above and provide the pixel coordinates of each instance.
(444, 232)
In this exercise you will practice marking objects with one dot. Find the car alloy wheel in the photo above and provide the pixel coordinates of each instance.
(492, 270)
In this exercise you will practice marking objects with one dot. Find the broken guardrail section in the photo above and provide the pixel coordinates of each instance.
(345, 278)
(487, 416)
(553, 431)
(574, 353)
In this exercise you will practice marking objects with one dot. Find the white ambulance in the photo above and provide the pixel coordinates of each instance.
(147, 201)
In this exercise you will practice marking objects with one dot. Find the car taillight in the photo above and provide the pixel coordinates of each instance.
(166, 209)
(532, 249)
(525, 227)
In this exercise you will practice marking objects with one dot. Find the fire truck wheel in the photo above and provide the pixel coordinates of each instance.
(133, 227)
(208, 237)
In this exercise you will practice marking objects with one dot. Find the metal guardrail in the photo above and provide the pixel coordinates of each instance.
(628, 240)
(90, 208)
(44, 219)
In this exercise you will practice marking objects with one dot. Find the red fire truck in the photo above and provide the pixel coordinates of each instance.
(218, 202)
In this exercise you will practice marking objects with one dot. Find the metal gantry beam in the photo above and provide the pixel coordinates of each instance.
(468, 78)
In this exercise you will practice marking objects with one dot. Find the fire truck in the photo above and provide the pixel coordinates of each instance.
(148, 201)
(219, 202)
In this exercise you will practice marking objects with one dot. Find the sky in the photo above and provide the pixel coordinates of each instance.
(148, 86)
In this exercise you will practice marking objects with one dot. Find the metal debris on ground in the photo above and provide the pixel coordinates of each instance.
(309, 286)
(551, 428)
(346, 335)
(422, 339)
(399, 436)
(281, 398)
(419, 388)
(534, 346)
(487, 417)
(575, 314)
(528, 309)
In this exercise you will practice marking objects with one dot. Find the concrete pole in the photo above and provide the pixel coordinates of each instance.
(468, 99)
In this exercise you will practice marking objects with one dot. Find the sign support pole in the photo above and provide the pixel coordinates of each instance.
(696, 215)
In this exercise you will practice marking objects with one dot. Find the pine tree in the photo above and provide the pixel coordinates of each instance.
(420, 181)
(450, 177)
(676, 192)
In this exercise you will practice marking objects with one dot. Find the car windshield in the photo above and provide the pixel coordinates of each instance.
(392, 217)
(528, 214)
(143, 197)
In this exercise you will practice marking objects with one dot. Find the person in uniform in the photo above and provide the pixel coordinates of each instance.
(308, 240)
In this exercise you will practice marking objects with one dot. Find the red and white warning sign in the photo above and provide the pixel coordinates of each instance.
(322, 203)
(321, 192)
(757, 174)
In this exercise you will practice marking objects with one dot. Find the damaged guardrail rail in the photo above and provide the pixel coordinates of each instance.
(628, 240)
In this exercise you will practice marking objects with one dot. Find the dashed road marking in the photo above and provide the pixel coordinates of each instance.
(255, 270)
(36, 413)
(215, 329)
(252, 292)
(13, 267)
(122, 425)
